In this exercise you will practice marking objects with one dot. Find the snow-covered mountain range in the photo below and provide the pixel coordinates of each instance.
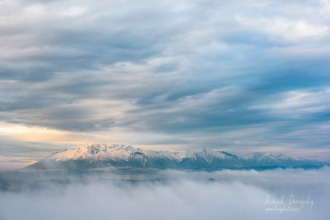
(101, 156)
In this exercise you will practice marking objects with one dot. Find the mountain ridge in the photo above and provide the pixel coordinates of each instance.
(102, 156)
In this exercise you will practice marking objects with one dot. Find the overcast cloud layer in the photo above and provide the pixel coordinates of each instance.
(230, 195)
(245, 75)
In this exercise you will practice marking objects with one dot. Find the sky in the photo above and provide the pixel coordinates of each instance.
(242, 76)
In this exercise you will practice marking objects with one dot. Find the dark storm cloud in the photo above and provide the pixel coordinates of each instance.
(172, 67)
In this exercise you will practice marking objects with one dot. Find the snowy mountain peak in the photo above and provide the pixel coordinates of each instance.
(269, 156)
(94, 156)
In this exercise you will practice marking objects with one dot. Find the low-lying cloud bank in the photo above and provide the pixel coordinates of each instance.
(174, 195)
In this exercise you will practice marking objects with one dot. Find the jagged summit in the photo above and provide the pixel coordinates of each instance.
(99, 156)
(104, 151)
(269, 156)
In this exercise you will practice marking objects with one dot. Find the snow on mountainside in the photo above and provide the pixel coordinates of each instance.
(122, 152)
(104, 152)
(99, 156)
(269, 156)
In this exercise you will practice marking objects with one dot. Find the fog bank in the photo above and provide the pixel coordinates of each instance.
(177, 195)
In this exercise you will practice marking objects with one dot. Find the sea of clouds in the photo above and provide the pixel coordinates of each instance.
(228, 194)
